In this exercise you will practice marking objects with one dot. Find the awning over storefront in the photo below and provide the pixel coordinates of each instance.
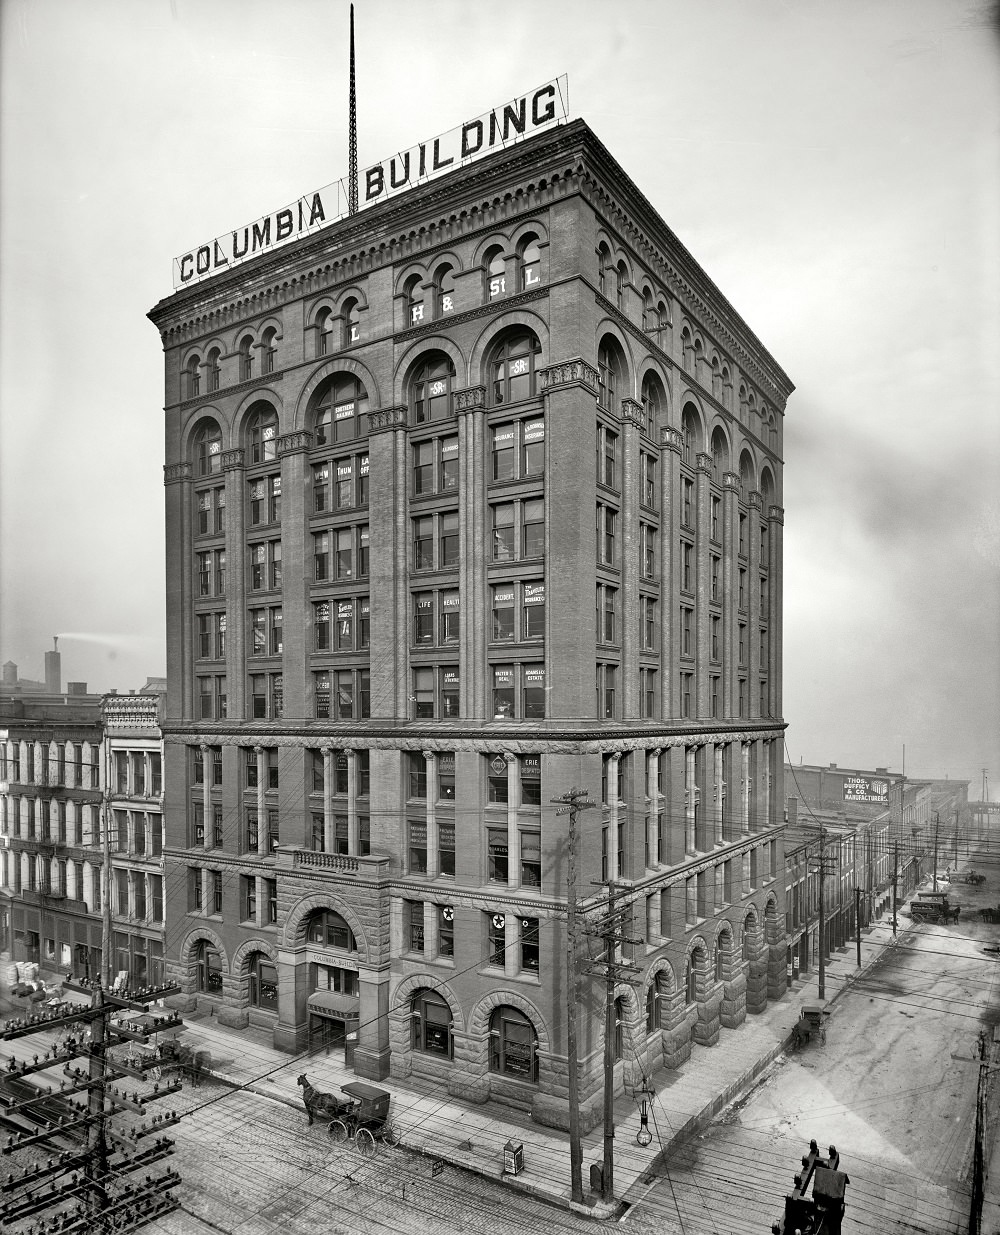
(330, 1003)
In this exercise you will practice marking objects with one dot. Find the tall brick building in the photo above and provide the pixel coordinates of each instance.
(470, 498)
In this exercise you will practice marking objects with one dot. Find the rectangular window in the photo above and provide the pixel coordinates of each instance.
(321, 626)
(714, 576)
(321, 487)
(423, 617)
(450, 607)
(716, 637)
(504, 451)
(533, 692)
(216, 891)
(446, 930)
(606, 602)
(533, 601)
(607, 456)
(716, 518)
(448, 549)
(503, 532)
(343, 553)
(743, 535)
(647, 620)
(503, 692)
(647, 693)
(648, 473)
(687, 685)
(496, 939)
(743, 590)
(530, 770)
(417, 768)
(606, 530)
(415, 925)
(321, 694)
(251, 838)
(687, 502)
(343, 685)
(418, 848)
(532, 447)
(423, 693)
(503, 613)
(448, 676)
(533, 528)
(497, 855)
(687, 554)
(529, 944)
(497, 779)
(531, 859)
(647, 550)
(423, 543)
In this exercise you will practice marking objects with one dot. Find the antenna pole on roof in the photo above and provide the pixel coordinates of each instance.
(352, 172)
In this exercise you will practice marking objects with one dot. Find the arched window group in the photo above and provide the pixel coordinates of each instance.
(208, 449)
(512, 376)
(262, 434)
(431, 388)
(339, 410)
(327, 929)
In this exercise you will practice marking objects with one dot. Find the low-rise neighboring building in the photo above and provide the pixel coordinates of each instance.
(68, 763)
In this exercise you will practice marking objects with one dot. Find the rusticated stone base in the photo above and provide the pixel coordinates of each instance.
(553, 1112)
(233, 1018)
(757, 987)
(372, 1065)
(708, 1026)
(734, 1002)
(291, 1038)
(777, 970)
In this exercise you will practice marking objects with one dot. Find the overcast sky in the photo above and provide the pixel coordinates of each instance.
(834, 166)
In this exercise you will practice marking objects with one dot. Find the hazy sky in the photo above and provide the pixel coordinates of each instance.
(834, 166)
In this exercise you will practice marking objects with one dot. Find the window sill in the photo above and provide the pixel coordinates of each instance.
(496, 971)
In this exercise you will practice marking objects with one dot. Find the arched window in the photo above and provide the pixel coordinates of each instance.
(270, 349)
(716, 378)
(246, 358)
(324, 332)
(208, 449)
(652, 404)
(611, 373)
(214, 369)
(340, 410)
(687, 349)
(727, 387)
(513, 1044)
(444, 291)
(656, 1001)
(262, 434)
(263, 982)
(430, 1018)
(530, 264)
(691, 432)
(619, 1043)
(746, 476)
(603, 264)
(719, 961)
(747, 942)
(352, 322)
(621, 280)
(209, 967)
(431, 389)
(193, 376)
(495, 274)
(329, 930)
(513, 368)
(691, 981)
(414, 300)
(720, 456)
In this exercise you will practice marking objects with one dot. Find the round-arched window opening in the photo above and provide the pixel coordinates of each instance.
(208, 449)
(352, 323)
(512, 369)
(414, 300)
(246, 358)
(691, 982)
(431, 1021)
(193, 377)
(339, 410)
(513, 1044)
(270, 349)
(327, 929)
(324, 331)
(618, 1046)
(262, 434)
(263, 976)
(431, 389)
(209, 969)
(444, 290)
(214, 369)
(530, 263)
(495, 274)
(611, 374)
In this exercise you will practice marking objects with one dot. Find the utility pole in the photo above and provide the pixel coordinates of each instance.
(610, 930)
(979, 1146)
(895, 877)
(937, 820)
(574, 804)
(822, 915)
(857, 921)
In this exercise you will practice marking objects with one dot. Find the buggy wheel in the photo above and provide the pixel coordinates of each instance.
(338, 1130)
(390, 1132)
(365, 1141)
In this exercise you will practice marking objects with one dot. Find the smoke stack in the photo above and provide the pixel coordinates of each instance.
(53, 669)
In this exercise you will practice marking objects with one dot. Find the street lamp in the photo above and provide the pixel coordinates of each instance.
(644, 1137)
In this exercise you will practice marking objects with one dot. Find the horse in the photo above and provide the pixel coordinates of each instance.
(316, 1102)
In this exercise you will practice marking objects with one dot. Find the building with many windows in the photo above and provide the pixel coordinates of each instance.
(471, 498)
(65, 760)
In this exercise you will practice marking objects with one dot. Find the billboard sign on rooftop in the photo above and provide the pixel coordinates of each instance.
(866, 789)
(515, 121)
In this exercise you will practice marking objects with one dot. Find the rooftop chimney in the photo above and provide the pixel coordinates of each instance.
(53, 669)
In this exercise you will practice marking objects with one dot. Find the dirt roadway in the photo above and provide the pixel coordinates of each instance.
(894, 1089)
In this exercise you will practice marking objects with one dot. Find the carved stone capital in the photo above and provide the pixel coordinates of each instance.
(387, 418)
(472, 399)
(574, 372)
(294, 443)
(730, 480)
(632, 413)
(756, 500)
(776, 514)
(232, 460)
(672, 439)
(703, 462)
(429, 756)
(173, 473)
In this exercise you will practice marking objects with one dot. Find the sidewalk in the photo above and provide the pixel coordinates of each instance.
(473, 1136)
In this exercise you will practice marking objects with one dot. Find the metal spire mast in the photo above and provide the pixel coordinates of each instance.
(352, 172)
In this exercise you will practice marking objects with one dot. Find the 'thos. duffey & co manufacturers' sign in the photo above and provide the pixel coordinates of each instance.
(497, 129)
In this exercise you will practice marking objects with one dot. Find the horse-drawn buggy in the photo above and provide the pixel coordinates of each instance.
(363, 1118)
(811, 1024)
(971, 877)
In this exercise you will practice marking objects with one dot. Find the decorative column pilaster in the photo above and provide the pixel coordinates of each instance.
(474, 553)
(236, 565)
(655, 806)
(329, 839)
(702, 554)
(433, 845)
(513, 847)
(730, 593)
(352, 802)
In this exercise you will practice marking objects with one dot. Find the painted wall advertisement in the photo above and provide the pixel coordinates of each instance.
(866, 789)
